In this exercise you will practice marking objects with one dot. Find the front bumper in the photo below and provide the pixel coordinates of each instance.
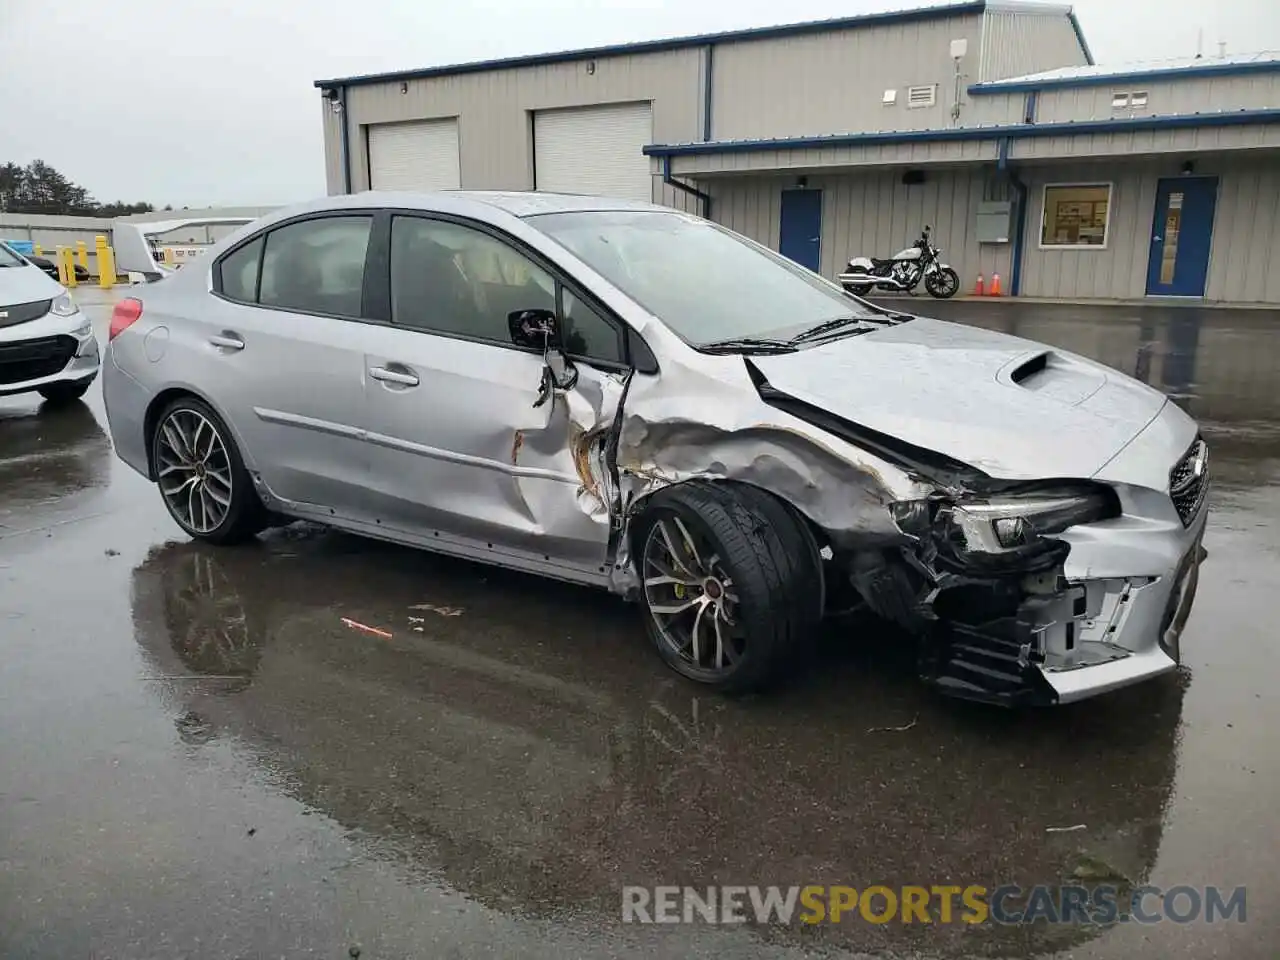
(46, 351)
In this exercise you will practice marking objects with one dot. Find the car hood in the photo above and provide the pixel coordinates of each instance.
(26, 284)
(1013, 408)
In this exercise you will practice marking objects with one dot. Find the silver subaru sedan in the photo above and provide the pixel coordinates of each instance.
(631, 397)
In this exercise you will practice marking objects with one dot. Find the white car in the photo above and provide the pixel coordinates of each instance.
(46, 344)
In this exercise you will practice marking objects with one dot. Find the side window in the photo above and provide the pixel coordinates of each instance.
(239, 272)
(586, 333)
(453, 279)
(316, 266)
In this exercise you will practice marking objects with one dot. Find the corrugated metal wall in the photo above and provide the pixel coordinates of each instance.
(1246, 232)
(493, 110)
(1244, 264)
(876, 214)
(835, 82)
(1018, 43)
(1189, 95)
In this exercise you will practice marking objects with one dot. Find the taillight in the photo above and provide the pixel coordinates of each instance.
(125, 314)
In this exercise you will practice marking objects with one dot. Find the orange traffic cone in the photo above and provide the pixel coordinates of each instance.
(995, 285)
(978, 287)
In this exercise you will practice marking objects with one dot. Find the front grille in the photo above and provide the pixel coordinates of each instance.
(1189, 481)
(32, 359)
(22, 312)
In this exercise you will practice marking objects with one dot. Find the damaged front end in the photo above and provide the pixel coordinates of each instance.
(1026, 592)
(994, 604)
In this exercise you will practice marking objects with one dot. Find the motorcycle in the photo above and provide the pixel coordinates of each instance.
(903, 271)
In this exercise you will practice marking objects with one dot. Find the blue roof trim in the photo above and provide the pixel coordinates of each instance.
(1014, 131)
(1084, 44)
(993, 87)
(940, 12)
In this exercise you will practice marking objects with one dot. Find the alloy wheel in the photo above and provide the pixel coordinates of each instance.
(194, 470)
(691, 597)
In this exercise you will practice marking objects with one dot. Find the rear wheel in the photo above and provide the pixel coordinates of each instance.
(202, 477)
(60, 393)
(943, 283)
(731, 584)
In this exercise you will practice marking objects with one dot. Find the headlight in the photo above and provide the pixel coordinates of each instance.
(64, 306)
(1009, 522)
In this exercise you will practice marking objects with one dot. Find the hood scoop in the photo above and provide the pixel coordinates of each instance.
(1029, 368)
(1054, 376)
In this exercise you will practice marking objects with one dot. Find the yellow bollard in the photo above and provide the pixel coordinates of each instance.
(82, 254)
(69, 264)
(62, 268)
(38, 250)
(106, 263)
(168, 256)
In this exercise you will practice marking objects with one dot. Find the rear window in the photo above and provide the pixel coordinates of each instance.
(316, 266)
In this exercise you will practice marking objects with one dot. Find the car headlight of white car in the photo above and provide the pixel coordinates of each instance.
(1011, 523)
(64, 306)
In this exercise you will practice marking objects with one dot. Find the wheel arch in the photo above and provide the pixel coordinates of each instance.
(166, 397)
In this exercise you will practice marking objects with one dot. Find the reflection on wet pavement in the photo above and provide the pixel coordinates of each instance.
(204, 759)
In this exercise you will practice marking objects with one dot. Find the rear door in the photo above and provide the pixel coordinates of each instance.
(465, 446)
(282, 346)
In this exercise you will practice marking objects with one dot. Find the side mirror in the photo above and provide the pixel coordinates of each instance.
(534, 329)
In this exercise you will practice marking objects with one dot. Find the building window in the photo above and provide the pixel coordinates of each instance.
(1120, 101)
(1138, 101)
(890, 98)
(1076, 215)
(922, 96)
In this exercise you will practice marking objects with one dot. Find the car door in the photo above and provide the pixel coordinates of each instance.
(468, 445)
(284, 341)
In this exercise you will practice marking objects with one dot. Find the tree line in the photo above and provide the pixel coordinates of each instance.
(39, 188)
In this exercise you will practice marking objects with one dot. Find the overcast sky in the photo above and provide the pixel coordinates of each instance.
(196, 102)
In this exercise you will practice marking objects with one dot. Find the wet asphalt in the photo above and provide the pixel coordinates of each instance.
(198, 758)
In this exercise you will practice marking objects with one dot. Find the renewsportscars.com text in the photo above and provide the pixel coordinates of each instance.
(944, 904)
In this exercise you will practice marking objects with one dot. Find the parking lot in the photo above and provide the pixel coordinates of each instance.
(202, 758)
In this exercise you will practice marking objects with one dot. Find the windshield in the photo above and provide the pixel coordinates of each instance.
(10, 259)
(703, 281)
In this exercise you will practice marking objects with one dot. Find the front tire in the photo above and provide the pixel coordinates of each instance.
(731, 583)
(201, 475)
(59, 394)
(943, 283)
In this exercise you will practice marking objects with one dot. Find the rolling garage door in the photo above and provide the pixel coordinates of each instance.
(594, 150)
(422, 155)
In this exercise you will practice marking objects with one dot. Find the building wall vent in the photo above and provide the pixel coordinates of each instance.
(925, 95)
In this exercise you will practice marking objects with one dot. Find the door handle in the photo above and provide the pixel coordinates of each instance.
(227, 341)
(394, 376)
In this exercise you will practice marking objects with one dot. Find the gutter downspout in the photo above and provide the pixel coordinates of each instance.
(683, 187)
(707, 93)
(1019, 220)
(346, 139)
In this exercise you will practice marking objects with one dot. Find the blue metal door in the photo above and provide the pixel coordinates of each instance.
(800, 228)
(1180, 236)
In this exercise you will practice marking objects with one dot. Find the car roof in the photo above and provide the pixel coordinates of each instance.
(481, 204)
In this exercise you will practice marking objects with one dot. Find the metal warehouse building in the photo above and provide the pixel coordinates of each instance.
(988, 120)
